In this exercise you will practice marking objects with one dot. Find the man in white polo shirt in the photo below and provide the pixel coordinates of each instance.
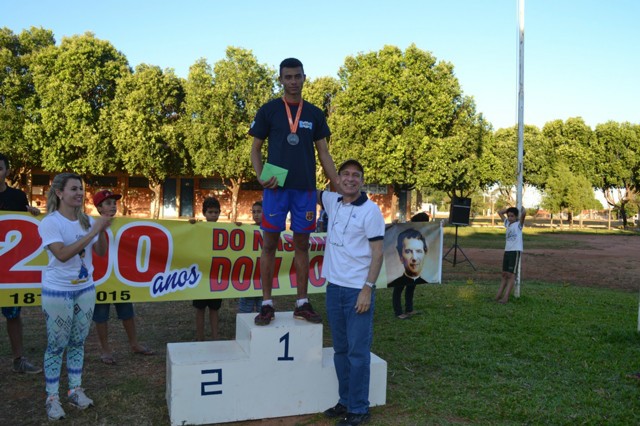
(352, 261)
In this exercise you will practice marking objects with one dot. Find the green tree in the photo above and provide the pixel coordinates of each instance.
(18, 98)
(321, 92)
(462, 163)
(75, 82)
(393, 104)
(617, 170)
(536, 161)
(143, 121)
(220, 107)
(571, 142)
(568, 192)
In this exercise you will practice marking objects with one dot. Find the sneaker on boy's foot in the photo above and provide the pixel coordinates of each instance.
(266, 315)
(306, 312)
(22, 365)
(78, 399)
(54, 408)
(354, 419)
(338, 410)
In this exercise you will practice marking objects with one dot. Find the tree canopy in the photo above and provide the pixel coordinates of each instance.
(78, 106)
(143, 123)
(18, 97)
(380, 117)
(75, 82)
(618, 168)
(221, 104)
(568, 192)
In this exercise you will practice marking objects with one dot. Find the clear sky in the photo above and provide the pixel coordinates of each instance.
(580, 55)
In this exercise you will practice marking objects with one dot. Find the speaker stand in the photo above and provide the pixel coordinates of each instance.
(456, 247)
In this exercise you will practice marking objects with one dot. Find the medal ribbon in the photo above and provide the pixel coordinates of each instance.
(293, 126)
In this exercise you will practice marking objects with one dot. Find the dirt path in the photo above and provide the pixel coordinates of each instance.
(609, 261)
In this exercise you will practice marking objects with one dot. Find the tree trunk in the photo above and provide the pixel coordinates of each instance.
(623, 200)
(394, 206)
(124, 203)
(507, 195)
(234, 188)
(156, 188)
(623, 214)
(29, 182)
(403, 204)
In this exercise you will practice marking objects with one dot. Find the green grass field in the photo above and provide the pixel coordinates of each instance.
(493, 237)
(558, 355)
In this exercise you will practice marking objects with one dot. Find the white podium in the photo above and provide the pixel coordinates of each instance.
(268, 371)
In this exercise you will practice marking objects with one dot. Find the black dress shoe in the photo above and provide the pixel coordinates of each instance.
(354, 419)
(338, 411)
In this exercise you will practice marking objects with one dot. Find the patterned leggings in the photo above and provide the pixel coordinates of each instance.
(68, 315)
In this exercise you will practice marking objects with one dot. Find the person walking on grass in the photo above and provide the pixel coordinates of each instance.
(68, 293)
(293, 128)
(13, 199)
(512, 250)
(105, 201)
(352, 263)
(211, 212)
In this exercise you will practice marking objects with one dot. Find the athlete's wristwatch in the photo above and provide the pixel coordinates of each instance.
(370, 285)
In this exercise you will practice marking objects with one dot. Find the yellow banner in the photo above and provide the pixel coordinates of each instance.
(163, 260)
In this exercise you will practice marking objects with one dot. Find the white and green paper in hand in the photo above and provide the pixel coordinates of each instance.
(270, 170)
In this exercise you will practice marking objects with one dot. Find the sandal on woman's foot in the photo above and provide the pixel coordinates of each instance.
(403, 316)
(108, 359)
(143, 351)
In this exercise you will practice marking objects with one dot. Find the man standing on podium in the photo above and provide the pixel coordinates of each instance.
(352, 261)
(293, 127)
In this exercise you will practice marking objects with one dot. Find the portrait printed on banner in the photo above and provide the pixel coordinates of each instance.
(413, 250)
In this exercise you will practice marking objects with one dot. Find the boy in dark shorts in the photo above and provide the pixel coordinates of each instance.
(512, 250)
(211, 212)
(293, 128)
(106, 203)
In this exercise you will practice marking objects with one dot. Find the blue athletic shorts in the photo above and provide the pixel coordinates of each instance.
(301, 203)
(12, 312)
(101, 311)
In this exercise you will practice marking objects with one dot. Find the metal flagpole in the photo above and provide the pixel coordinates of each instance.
(520, 125)
(638, 315)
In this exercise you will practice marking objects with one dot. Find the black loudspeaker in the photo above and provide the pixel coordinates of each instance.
(460, 211)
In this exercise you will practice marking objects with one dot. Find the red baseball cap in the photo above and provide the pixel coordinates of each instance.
(100, 196)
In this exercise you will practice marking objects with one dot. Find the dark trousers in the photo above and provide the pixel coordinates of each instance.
(408, 298)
